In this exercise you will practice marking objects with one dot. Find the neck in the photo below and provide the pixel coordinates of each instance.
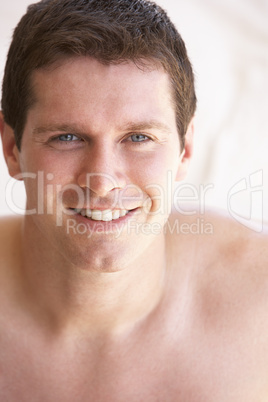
(66, 297)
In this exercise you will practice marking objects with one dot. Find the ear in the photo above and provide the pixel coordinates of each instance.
(10, 150)
(187, 152)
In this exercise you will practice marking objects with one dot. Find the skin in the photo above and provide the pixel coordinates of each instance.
(140, 316)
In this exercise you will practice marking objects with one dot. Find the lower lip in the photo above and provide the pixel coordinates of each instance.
(105, 226)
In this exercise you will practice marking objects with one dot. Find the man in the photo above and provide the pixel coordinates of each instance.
(101, 299)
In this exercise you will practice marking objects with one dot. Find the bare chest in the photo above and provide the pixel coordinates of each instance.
(149, 369)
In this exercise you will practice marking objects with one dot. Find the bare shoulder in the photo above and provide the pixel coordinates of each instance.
(228, 262)
(225, 301)
(237, 257)
(238, 245)
(217, 238)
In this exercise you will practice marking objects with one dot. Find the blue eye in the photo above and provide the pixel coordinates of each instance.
(67, 137)
(138, 138)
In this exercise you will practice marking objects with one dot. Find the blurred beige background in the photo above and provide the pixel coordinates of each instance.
(227, 42)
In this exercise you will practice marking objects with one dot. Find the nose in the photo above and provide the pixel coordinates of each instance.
(101, 171)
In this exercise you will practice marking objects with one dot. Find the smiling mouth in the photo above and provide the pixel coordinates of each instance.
(105, 215)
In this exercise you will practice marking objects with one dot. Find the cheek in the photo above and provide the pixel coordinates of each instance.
(156, 168)
(59, 168)
(44, 178)
(157, 181)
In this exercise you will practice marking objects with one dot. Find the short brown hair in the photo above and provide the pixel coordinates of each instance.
(112, 31)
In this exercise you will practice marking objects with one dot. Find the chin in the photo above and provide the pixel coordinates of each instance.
(96, 255)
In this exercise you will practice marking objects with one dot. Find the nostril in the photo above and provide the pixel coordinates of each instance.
(99, 183)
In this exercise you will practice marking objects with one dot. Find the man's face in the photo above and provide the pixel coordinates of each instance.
(100, 138)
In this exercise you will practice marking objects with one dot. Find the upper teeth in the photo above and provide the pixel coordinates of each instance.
(106, 215)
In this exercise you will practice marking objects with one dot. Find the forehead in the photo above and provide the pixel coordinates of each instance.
(86, 87)
(73, 69)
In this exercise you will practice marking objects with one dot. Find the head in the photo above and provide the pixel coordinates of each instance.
(110, 31)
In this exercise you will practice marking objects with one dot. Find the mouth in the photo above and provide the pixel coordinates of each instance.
(106, 215)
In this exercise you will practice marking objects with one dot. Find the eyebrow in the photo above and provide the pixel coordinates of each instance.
(52, 128)
(130, 127)
(146, 125)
